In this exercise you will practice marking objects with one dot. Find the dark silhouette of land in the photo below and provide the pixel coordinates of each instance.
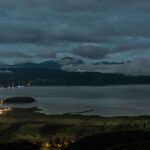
(19, 100)
(123, 140)
(72, 131)
(49, 77)
(20, 145)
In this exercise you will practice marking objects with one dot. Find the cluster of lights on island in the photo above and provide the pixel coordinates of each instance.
(4, 109)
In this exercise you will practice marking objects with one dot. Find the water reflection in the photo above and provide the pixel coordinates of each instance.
(106, 101)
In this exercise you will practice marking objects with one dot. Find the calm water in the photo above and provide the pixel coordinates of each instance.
(106, 101)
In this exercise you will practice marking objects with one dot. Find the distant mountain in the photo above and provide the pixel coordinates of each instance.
(51, 73)
(48, 64)
(70, 61)
(110, 63)
(53, 64)
(49, 77)
(58, 64)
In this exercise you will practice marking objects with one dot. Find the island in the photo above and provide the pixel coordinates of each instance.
(19, 100)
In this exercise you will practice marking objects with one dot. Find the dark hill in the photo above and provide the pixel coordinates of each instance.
(127, 140)
(47, 77)
(23, 145)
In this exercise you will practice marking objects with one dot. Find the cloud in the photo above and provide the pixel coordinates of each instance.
(48, 54)
(89, 21)
(133, 44)
(135, 68)
(138, 67)
(14, 57)
(13, 54)
(89, 51)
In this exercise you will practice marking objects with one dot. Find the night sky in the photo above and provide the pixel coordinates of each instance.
(92, 30)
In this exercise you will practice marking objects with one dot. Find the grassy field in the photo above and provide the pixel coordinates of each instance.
(58, 130)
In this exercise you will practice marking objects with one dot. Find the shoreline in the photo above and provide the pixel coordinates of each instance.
(110, 85)
(36, 110)
(83, 113)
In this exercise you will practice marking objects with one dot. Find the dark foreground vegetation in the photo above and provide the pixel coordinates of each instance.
(72, 132)
(23, 145)
(123, 140)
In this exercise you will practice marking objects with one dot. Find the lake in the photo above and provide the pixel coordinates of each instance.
(103, 100)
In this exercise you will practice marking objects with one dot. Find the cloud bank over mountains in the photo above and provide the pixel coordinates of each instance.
(93, 30)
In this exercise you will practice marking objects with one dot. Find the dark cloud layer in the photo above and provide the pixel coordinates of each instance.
(92, 21)
(93, 52)
(13, 54)
(50, 54)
